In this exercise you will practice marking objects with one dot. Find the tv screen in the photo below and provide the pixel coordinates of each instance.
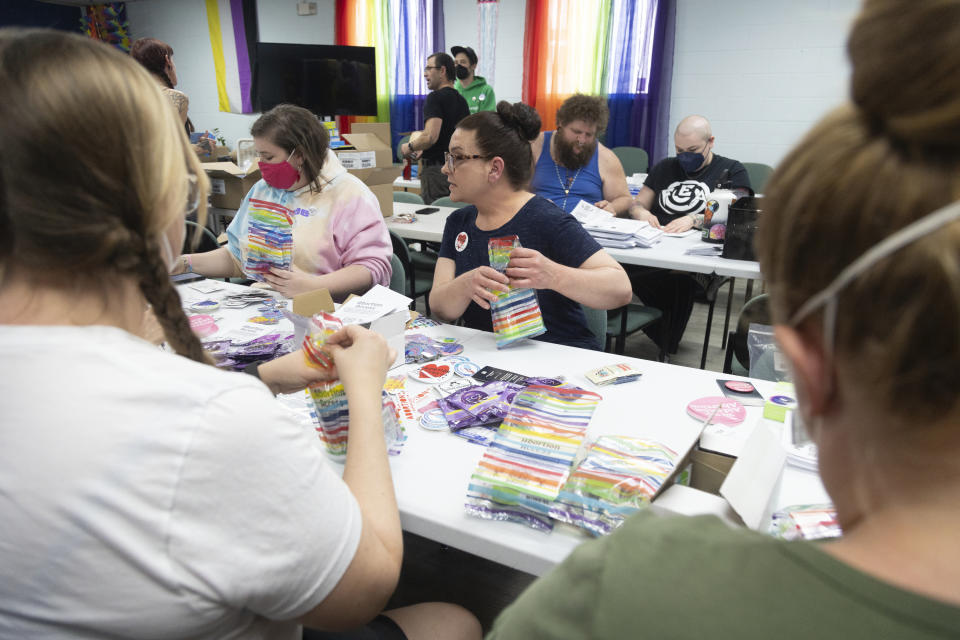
(329, 80)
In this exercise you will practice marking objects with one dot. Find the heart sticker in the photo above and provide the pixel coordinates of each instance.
(431, 373)
(730, 412)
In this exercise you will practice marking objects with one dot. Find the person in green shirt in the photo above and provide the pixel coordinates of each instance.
(858, 243)
(474, 89)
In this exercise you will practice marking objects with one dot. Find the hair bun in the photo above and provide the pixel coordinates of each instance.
(915, 108)
(521, 117)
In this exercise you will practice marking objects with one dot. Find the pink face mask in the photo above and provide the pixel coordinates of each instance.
(280, 175)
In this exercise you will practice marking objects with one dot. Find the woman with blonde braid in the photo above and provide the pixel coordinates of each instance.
(145, 494)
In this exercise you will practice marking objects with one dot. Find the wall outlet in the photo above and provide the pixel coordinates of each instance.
(306, 8)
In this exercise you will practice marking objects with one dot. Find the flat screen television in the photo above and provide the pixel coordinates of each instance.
(329, 80)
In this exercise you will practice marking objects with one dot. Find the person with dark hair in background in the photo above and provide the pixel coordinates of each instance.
(489, 166)
(340, 241)
(474, 89)
(144, 493)
(674, 197)
(444, 108)
(571, 165)
(859, 245)
(156, 57)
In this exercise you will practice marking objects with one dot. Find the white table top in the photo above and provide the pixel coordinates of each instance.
(413, 183)
(667, 254)
(432, 471)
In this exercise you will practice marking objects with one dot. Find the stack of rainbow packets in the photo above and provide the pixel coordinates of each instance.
(516, 312)
(524, 468)
(269, 238)
(618, 476)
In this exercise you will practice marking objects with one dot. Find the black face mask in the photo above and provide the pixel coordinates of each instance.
(462, 72)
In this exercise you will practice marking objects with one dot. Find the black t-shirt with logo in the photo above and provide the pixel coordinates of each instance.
(448, 105)
(540, 225)
(678, 194)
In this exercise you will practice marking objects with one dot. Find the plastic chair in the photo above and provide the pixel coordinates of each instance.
(399, 156)
(208, 241)
(597, 323)
(445, 201)
(736, 360)
(398, 279)
(759, 174)
(630, 319)
(406, 196)
(419, 282)
(633, 159)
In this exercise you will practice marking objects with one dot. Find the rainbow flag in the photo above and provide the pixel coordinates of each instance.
(233, 39)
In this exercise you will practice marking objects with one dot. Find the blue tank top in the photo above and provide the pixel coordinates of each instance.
(549, 178)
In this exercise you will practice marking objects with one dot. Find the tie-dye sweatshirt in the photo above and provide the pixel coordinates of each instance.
(339, 226)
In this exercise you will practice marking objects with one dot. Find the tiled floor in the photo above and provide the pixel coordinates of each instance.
(435, 572)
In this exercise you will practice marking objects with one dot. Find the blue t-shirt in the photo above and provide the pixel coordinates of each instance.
(541, 226)
(550, 179)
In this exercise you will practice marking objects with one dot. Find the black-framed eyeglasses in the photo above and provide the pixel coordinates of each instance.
(453, 160)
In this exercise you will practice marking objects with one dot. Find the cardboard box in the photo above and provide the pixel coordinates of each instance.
(229, 183)
(372, 161)
(738, 490)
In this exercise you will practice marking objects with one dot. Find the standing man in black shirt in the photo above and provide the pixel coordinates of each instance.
(445, 107)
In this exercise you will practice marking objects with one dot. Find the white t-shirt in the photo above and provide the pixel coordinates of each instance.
(143, 495)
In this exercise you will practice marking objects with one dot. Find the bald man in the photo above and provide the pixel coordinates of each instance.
(675, 192)
(673, 198)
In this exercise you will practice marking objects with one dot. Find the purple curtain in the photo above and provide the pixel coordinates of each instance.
(642, 119)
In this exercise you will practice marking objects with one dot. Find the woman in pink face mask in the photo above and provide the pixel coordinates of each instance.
(321, 225)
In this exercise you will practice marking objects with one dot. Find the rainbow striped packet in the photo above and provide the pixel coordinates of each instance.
(333, 419)
(269, 239)
(523, 470)
(516, 313)
(320, 328)
(619, 476)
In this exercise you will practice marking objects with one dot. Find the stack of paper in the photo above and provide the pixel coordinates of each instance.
(709, 250)
(618, 233)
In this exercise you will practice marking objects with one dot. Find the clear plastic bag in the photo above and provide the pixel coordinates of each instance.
(766, 361)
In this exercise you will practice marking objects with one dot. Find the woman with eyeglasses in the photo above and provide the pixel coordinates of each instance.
(143, 493)
(864, 287)
(340, 241)
(489, 166)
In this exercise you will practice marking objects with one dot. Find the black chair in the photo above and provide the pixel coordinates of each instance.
(207, 241)
(630, 319)
(597, 323)
(419, 280)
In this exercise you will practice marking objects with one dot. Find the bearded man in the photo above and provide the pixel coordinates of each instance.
(570, 165)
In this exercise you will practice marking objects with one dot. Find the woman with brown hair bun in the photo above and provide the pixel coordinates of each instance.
(144, 494)
(860, 248)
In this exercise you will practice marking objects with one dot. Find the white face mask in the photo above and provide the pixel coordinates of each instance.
(828, 295)
(167, 251)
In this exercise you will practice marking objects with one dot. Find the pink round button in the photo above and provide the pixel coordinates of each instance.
(731, 412)
(203, 325)
(739, 386)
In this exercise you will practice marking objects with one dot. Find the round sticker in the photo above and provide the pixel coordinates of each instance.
(731, 412)
(431, 373)
(738, 386)
(461, 242)
(783, 401)
(433, 420)
(466, 368)
(203, 325)
(205, 306)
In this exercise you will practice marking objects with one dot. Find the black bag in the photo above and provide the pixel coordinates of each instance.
(743, 217)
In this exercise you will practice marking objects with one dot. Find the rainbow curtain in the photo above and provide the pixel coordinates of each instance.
(552, 73)
(233, 39)
(366, 23)
(107, 23)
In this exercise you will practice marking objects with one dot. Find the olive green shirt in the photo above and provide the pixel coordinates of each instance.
(479, 95)
(677, 577)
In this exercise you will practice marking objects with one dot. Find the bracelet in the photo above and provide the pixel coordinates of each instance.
(187, 263)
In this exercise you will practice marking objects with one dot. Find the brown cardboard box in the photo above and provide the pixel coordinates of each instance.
(372, 160)
(229, 183)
